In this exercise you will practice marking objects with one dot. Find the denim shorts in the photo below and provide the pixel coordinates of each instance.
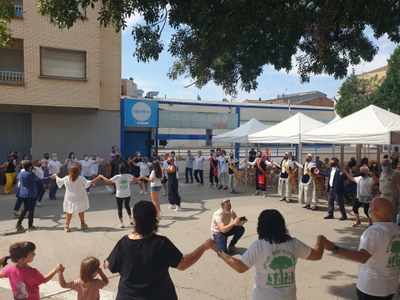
(156, 188)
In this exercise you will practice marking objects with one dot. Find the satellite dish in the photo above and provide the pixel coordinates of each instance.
(151, 94)
(137, 94)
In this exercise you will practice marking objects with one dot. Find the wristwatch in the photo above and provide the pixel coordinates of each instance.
(335, 250)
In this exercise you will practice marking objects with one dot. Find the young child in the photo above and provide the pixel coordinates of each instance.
(86, 285)
(24, 280)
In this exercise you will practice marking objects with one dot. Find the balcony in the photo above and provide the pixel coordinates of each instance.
(10, 77)
(18, 8)
(12, 63)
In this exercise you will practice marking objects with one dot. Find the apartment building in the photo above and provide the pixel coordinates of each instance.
(59, 89)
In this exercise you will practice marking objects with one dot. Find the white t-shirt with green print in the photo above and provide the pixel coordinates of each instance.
(122, 183)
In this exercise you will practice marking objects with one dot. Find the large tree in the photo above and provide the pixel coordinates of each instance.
(388, 94)
(355, 93)
(229, 41)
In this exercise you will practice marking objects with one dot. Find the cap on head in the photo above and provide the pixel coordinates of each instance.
(309, 155)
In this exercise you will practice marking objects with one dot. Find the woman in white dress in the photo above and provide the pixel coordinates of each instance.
(75, 199)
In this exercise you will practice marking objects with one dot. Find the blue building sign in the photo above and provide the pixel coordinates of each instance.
(140, 113)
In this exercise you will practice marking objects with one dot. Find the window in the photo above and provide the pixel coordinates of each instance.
(62, 63)
(18, 8)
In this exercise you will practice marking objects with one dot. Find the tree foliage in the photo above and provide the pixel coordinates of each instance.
(7, 12)
(388, 94)
(355, 93)
(230, 41)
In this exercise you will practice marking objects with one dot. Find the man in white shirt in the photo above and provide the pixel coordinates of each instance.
(307, 186)
(226, 223)
(54, 166)
(377, 255)
(222, 168)
(286, 177)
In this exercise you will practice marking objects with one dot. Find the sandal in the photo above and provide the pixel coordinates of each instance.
(84, 226)
(355, 224)
(66, 228)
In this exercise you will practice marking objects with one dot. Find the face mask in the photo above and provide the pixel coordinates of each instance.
(385, 168)
(54, 157)
(227, 212)
(86, 158)
(72, 157)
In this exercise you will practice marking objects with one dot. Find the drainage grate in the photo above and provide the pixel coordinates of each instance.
(11, 232)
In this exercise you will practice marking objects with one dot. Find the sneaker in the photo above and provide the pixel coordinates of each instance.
(19, 227)
(171, 207)
(130, 221)
(121, 225)
(288, 201)
(264, 195)
(225, 188)
(84, 226)
(307, 206)
(314, 208)
(282, 199)
(220, 187)
(178, 208)
(38, 204)
(16, 214)
(232, 191)
(211, 185)
(164, 194)
(145, 193)
(141, 192)
(256, 193)
(32, 228)
(66, 228)
(232, 249)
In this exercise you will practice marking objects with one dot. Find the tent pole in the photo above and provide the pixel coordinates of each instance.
(342, 153)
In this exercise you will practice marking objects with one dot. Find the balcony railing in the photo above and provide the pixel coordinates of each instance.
(11, 77)
(18, 11)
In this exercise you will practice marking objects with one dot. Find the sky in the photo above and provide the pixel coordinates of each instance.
(152, 76)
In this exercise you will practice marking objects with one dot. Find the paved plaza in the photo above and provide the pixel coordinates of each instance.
(210, 278)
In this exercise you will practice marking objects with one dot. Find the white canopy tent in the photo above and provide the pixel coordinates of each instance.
(239, 135)
(371, 125)
(288, 131)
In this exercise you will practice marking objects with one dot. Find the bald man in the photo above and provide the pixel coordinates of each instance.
(378, 254)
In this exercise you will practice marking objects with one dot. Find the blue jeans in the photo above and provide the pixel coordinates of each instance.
(88, 178)
(222, 238)
(189, 172)
(53, 189)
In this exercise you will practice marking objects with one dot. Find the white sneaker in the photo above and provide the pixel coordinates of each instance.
(178, 208)
(141, 192)
(164, 194)
(38, 204)
(145, 193)
(121, 225)
(171, 207)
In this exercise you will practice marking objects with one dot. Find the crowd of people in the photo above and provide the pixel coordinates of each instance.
(143, 258)
(274, 254)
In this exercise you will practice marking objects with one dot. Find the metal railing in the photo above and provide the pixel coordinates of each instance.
(11, 77)
(18, 9)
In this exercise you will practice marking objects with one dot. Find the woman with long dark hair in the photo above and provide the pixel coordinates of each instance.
(75, 199)
(274, 256)
(143, 258)
(155, 178)
(173, 194)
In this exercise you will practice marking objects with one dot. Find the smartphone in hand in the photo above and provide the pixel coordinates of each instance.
(243, 219)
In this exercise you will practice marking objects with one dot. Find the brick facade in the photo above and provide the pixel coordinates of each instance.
(101, 88)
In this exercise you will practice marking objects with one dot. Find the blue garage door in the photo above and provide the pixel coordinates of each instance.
(136, 141)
